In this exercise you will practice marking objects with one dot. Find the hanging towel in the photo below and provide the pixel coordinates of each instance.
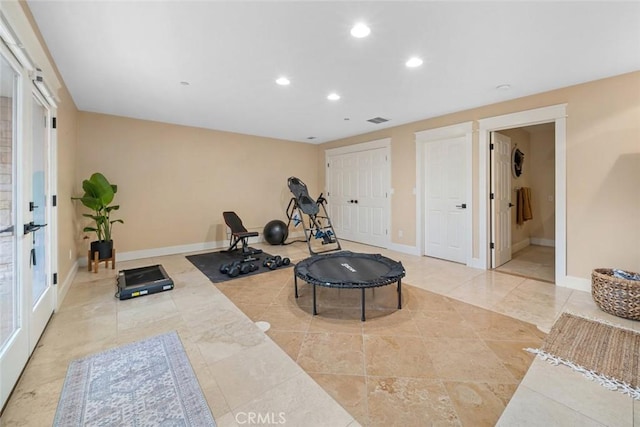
(527, 212)
(523, 205)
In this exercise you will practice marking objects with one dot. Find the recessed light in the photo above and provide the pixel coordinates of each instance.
(503, 87)
(333, 97)
(360, 30)
(283, 81)
(413, 62)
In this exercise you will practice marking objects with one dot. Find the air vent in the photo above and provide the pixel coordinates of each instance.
(311, 137)
(378, 120)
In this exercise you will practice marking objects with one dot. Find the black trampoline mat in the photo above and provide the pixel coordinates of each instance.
(209, 264)
(347, 269)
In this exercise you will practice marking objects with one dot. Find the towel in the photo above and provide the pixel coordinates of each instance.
(523, 205)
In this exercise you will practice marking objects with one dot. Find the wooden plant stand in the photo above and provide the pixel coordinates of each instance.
(93, 263)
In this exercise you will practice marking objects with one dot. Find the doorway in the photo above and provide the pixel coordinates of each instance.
(557, 116)
(527, 246)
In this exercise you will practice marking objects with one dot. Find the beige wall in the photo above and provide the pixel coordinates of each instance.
(174, 182)
(541, 161)
(603, 169)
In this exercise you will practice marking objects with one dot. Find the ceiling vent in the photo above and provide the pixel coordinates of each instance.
(378, 120)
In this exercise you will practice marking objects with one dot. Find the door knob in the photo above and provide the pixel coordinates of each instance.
(355, 201)
(462, 206)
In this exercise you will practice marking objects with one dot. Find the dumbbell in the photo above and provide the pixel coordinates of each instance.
(248, 268)
(225, 268)
(274, 262)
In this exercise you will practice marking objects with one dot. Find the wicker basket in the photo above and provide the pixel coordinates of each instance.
(620, 297)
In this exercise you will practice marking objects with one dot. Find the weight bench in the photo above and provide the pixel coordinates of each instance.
(239, 235)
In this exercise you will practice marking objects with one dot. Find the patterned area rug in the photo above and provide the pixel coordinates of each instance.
(602, 352)
(146, 383)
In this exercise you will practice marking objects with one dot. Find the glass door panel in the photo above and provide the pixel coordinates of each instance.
(9, 307)
(38, 237)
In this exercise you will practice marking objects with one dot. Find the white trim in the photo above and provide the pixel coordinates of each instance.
(554, 113)
(405, 249)
(543, 242)
(518, 246)
(445, 132)
(572, 282)
(64, 287)
(460, 130)
(364, 146)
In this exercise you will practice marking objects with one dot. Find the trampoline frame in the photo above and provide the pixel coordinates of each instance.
(384, 280)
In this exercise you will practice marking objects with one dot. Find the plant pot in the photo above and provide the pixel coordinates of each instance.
(103, 247)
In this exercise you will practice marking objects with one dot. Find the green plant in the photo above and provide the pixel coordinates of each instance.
(98, 195)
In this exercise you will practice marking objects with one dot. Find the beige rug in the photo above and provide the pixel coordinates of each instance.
(602, 352)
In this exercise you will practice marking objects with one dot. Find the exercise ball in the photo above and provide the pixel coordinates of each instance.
(275, 232)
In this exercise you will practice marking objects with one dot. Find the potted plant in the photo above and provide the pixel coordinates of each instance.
(98, 195)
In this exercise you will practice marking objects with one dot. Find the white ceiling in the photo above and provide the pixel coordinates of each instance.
(128, 58)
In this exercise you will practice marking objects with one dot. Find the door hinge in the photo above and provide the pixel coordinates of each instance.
(491, 196)
(54, 200)
(32, 206)
(491, 146)
(493, 246)
(53, 122)
(328, 164)
(55, 278)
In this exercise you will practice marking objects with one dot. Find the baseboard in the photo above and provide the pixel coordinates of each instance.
(577, 283)
(543, 242)
(405, 249)
(515, 247)
(63, 288)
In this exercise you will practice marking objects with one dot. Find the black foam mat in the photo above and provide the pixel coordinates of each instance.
(209, 264)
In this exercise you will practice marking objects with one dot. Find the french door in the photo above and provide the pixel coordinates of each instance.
(27, 297)
(358, 184)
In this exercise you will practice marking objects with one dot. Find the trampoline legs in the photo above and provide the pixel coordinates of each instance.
(314, 300)
(362, 317)
(399, 294)
(295, 284)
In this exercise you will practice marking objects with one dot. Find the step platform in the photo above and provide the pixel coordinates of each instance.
(137, 282)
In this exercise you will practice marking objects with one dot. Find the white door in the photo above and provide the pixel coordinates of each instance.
(446, 234)
(358, 195)
(14, 338)
(27, 298)
(38, 269)
(500, 198)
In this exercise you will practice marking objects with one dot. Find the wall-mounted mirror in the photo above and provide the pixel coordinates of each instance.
(517, 160)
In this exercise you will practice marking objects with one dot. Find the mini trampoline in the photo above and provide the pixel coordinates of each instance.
(349, 270)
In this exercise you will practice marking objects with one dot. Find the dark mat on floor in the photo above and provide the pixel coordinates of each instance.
(209, 264)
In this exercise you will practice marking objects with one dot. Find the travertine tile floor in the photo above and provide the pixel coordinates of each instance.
(242, 370)
(534, 262)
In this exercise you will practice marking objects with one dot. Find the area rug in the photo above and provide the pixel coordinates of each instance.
(209, 264)
(146, 383)
(602, 352)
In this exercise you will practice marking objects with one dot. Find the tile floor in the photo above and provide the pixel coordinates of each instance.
(533, 261)
(437, 359)
(243, 370)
